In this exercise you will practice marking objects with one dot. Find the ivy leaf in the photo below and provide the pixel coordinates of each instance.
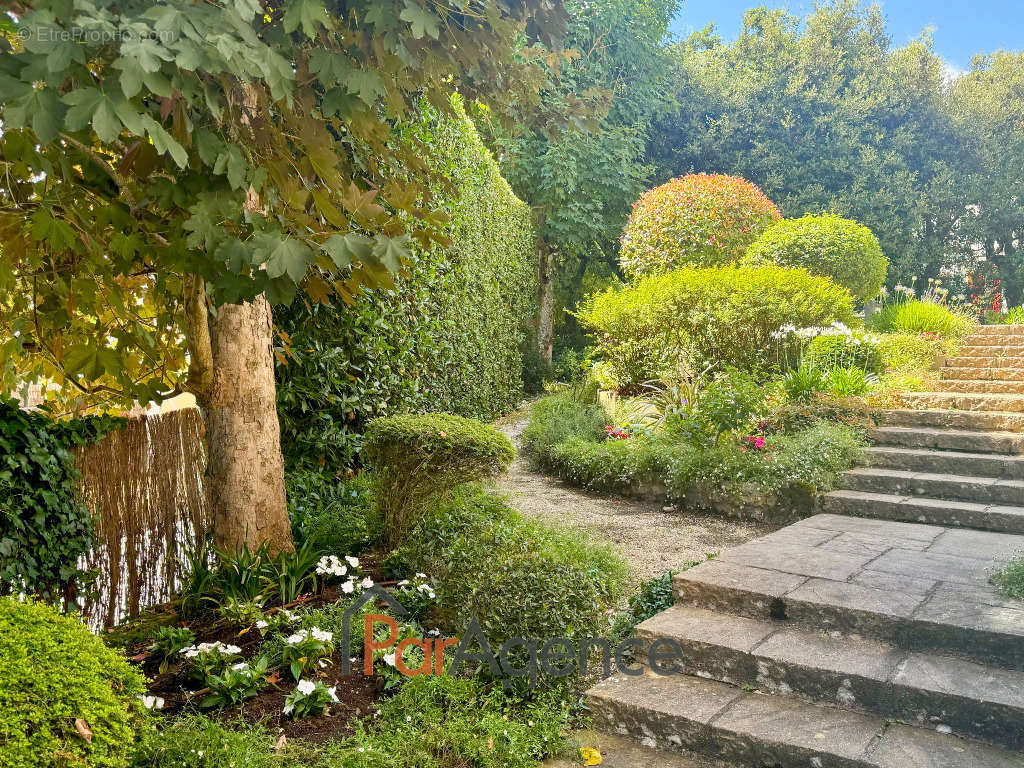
(308, 14)
(421, 21)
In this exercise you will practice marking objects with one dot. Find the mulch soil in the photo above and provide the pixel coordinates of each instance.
(358, 694)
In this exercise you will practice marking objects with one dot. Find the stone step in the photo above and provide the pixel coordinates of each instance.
(679, 713)
(981, 373)
(981, 386)
(985, 516)
(993, 339)
(996, 421)
(924, 689)
(913, 586)
(979, 489)
(946, 462)
(964, 401)
(970, 361)
(987, 351)
(997, 330)
(1000, 443)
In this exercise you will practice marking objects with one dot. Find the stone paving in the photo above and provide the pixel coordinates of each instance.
(868, 635)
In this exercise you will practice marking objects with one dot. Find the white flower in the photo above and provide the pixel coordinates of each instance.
(287, 709)
(322, 635)
(332, 692)
(152, 702)
(403, 583)
(240, 666)
(366, 583)
(348, 587)
(389, 659)
(421, 575)
(434, 633)
(296, 638)
(230, 649)
(353, 561)
(261, 624)
(306, 687)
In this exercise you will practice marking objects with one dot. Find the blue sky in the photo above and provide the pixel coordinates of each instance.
(962, 28)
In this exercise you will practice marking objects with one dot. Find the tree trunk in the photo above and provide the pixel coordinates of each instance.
(546, 302)
(245, 468)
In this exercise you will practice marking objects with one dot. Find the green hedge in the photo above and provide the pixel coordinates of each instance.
(448, 336)
(724, 316)
(54, 672)
(45, 527)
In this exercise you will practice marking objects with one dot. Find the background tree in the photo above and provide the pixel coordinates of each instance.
(582, 181)
(171, 171)
(823, 114)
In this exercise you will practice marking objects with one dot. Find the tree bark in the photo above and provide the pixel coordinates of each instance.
(245, 468)
(546, 304)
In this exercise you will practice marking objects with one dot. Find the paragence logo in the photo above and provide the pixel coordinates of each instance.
(518, 657)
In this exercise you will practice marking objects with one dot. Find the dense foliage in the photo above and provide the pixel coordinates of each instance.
(518, 577)
(921, 316)
(331, 513)
(448, 336)
(697, 220)
(416, 460)
(852, 349)
(724, 316)
(59, 679)
(45, 527)
(825, 245)
(825, 114)
(136, 155)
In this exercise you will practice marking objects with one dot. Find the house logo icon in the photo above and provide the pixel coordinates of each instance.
(377, 593)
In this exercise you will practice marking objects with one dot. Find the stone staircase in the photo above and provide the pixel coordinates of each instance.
(857, 639)
(956, 456)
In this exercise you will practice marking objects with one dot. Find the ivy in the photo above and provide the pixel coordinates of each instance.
(45, 527)
(447, 337)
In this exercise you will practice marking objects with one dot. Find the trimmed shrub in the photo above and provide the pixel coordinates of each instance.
(697, 220)
(418, 459)
(448, 336)
(55, 671)
(518, 577)
(825, 245)
(726, 316)
(557, 418)
(853, 349)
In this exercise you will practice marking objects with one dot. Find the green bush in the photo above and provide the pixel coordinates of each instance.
(418, 459)
(45, 527)
(727, 316)
(54, 672)
(519, 577)
(916, 316)
(850, 349)
(449, 722)
(331, 514)
(913, 353)
(731, 401)
(447, 337)
(696, 220)
(556, 418)
(825, 245)
(1010, 579)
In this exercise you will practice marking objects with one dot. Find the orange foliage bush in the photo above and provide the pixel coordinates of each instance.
(697, 220)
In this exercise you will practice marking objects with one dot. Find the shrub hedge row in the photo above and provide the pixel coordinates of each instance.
(447, 337)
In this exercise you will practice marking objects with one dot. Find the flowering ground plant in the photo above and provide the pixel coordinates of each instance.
(238, 682)
(241, 613)
(309, 698)
(412, 657)
(416, 595)
(278, 621)
(211, 658)
(347, 568)
(307, 650)
(616, 433)
(168, 641)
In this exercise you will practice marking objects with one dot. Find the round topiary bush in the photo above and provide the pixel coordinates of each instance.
(698, 220)
(56, 672)
(825, 245)
(418, 459)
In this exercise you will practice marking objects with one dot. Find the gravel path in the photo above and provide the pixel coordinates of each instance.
(652, 538)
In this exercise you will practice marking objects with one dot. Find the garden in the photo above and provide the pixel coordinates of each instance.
(272, 275)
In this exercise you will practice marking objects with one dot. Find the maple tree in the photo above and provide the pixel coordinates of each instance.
(171, 170)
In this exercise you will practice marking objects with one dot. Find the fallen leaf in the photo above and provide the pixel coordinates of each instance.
(591, 756)
(281, 741)
(83, 729)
